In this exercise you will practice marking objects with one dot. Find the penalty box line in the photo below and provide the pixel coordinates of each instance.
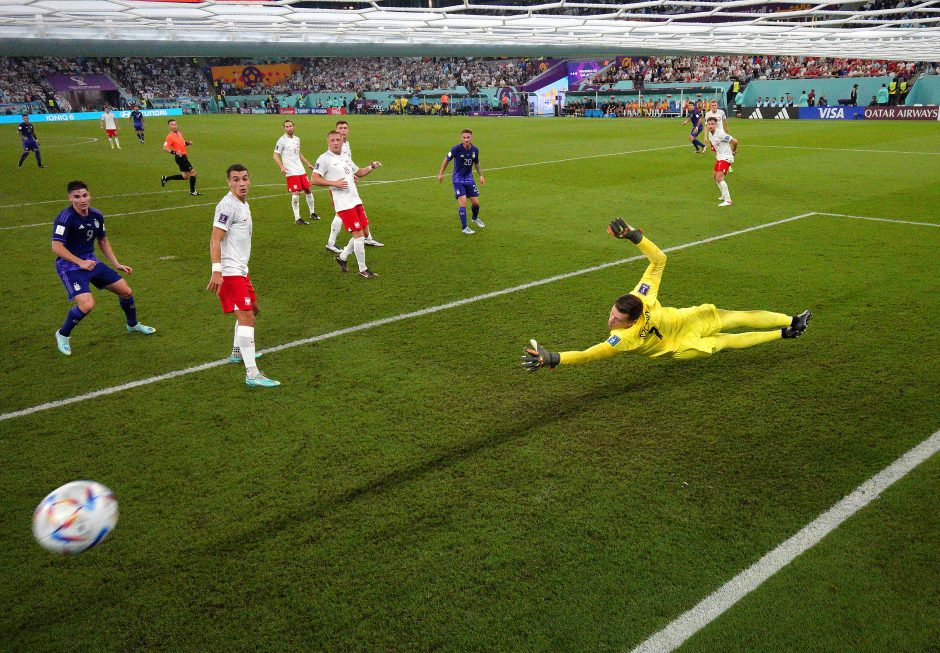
(715, 604)
(404, 316)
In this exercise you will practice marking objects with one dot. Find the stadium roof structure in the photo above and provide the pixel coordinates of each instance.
(908, 31)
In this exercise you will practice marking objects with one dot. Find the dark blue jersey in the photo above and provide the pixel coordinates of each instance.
(694, 116)
(137, 117)
(463, 158)
(78, 233)
(27, 131)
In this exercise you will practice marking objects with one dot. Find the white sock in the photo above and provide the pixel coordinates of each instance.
(335, 226)
(111, 141)
(246, 342)
(359, 244)
(295, 205)
(235, 350)
(118, 141)
(725, 195)
(309, 197)
(348, 249)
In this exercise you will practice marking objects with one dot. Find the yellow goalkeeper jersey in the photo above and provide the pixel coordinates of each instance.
(658, 330)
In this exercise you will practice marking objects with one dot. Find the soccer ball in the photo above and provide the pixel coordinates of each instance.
(75, 517)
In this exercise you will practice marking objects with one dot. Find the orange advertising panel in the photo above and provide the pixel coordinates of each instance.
(252, 75)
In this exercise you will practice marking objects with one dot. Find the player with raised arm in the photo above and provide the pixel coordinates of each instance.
(109, 125)
(694, 116)
(466, 157)
(229, 251)
(292, 163)
(339, 174)
(639, 324)
(336, 226)
(176, 145)
(725, 147)
(137, 117)
(74, 233)
(27, 134)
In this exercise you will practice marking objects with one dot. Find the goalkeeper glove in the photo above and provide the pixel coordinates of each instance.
(620, 229)
(537, 357)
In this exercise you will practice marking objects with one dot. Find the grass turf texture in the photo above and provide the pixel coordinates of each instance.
(409, 487)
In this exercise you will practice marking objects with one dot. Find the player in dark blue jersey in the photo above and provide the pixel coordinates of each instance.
(466, 157)
(74, 233)
(30, 142)
(138, 119)
(694, 116)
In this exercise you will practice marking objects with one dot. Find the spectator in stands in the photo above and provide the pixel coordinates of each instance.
(823, 102)
(874, 101)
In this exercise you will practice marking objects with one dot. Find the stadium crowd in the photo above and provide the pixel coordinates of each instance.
(647, 70)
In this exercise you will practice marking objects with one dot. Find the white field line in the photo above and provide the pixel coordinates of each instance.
(711, 607)
(364, 181)
(841, 149)
(862, 217)
(369, 325)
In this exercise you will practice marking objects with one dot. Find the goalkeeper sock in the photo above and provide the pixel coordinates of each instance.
(752, 319)
(462, 212)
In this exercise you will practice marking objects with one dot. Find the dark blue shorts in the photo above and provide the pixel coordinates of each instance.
(696, 130)
(138, 128)
(468, 189)
(76, 281)
(29, 145)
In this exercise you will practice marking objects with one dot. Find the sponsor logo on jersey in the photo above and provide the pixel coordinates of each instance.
(613, 340)
(643, 289)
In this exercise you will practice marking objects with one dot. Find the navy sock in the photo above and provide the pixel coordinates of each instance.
(476, 210)
(23, 157)
(175, 177)
(71, 320)
(698, 144)
(130, 309)
(192, 184)
(462, 212)
(38, 158)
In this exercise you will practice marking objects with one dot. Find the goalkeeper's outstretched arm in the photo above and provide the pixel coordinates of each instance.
(648, 288)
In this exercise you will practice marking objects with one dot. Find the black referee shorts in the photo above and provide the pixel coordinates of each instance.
(183, 163)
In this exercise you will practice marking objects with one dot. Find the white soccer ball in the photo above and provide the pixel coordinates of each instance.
(75, 517)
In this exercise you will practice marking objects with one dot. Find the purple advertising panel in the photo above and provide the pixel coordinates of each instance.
(927, 112)
(79, 82)
(582, 71)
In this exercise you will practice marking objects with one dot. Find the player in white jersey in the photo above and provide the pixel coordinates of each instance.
(288, 158)
(229, 250)
(343, 128)
(338, 173)
(109, 125)
(718, 114)
(725, 146)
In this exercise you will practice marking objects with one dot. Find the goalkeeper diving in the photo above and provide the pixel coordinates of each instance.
(639, 323)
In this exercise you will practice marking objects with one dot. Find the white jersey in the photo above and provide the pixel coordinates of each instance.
(234, 217)
(289, 149)
(346, 152)
(334, 167)
(719, 114)
(109, 121)
(722, 144)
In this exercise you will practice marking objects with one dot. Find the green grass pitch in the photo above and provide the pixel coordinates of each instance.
(409, 487)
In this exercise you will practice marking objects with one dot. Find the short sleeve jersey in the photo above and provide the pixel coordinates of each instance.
(334, 167)
(234, 217)
(78, 233)
(289, 150)
(176, 143)
(694, 116)
(27, 131)
(722, 144)
(463, 159)
(109, 121)
(137, 117)
(346, 151)
(719, 114)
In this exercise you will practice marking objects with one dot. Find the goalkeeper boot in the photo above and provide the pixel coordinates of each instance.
(797, 325)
